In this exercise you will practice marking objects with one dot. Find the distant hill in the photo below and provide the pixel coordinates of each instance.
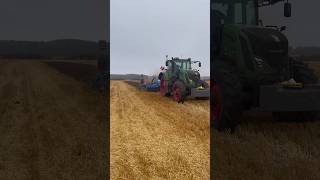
(207, 78)
(306, 51)
(126, 76)
(63, 49)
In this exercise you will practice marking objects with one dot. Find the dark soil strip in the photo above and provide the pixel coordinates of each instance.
(82, 72)
(133, 83)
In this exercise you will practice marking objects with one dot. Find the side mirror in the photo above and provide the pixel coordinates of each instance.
(287, 9)
(167, 63)
(199, 64)
(282, 28)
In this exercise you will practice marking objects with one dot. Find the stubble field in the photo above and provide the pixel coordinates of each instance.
(153, 137)
(154, 131)
(51, 124)
(52, 127)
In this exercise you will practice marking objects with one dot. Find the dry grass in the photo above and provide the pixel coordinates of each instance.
(316, 66)
(153, 137)
(264, 149)
(50, 124)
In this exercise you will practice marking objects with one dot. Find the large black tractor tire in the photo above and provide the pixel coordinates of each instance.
(227, 105)
(302, 74)
(179, 92)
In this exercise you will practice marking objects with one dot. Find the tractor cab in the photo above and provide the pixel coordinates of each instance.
(245, 12)
(182, 68)
(177, 63)
(253, 69)
(238, 35)
(181, 64)
(235, 12)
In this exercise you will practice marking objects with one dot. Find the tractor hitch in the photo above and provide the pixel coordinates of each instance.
(200, 93)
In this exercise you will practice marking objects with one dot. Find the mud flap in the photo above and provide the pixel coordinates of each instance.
(276, 98)
(200, 93)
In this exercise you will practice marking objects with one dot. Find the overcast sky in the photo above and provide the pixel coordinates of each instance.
(303, 28)
(144, 31)
(53, 19)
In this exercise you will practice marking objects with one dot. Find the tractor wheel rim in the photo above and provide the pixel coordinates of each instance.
(217, 102)
(176, 93)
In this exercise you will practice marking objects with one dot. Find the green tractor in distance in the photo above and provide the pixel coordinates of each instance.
(252, 67)
(180, 80)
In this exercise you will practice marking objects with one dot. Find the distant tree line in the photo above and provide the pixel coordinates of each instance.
(57, 49)
(138, 77)
(307, 52)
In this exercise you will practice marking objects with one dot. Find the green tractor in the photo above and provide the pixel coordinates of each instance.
(253, 69)
(180, 80)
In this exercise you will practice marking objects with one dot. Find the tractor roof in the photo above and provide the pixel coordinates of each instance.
(178, 59)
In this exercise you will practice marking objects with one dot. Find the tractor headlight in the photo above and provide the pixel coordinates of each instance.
(259, 62)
